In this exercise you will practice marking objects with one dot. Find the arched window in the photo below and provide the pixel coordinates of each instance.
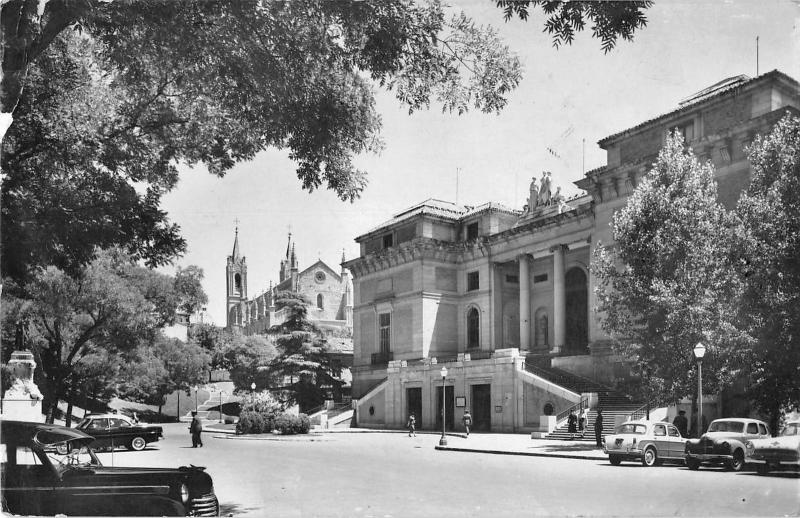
(473, 328)
(320, 303)
(577, 314)
(237, 283)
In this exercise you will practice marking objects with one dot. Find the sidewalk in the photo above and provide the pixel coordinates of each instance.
(487, 443)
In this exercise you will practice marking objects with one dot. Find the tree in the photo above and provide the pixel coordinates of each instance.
(610, 19)
(189, 287)
(303, 358)
(108, 96)
(107, 307)
(769, 248)
(248, 359)
(668, 282)
(162, 367)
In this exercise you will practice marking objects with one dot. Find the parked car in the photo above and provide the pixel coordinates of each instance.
(648, 442)
(38, 480)
(113, 430)
(775, 453)
(724, 443)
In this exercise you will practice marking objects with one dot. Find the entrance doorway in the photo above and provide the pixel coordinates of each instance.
(414, 405)
(449, 408)
(482, 407)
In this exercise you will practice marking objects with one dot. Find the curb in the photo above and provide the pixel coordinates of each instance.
(522, 453)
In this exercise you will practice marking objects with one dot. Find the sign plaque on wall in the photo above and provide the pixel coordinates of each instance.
(461, 401)
(498, 409)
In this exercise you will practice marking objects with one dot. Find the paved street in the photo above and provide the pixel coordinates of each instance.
(390, 474)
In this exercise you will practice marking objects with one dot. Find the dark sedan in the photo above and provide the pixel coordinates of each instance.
(113, 430)
(37, 479)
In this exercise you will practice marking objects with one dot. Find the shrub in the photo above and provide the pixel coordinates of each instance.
(289, 424)
(250, 422)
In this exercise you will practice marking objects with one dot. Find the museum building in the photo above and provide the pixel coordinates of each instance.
(503, 298)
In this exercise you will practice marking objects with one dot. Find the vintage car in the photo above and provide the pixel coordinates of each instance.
(775, 453)
(39, 480)
(724, 443)
(113, 430)
(648, 442)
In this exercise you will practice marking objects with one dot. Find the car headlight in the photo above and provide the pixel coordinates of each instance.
(184, 493)
(725, 446)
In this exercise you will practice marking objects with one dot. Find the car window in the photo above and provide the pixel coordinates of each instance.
(117, 423)
(726, 426)
(638, 429)
(762, 429)
(791, 429)
(98, 424)
(752, 428)
(673, 432)
(659, 430)
(26, 457)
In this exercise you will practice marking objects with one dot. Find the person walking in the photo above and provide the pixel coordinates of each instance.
(582, 423)
(412, 426)
(196, 428)
(467, 420)
(572, 424)
(598, 429)
(681, 423)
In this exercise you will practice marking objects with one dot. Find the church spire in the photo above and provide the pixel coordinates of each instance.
(235, 254)
(289, 246)
(294, 259)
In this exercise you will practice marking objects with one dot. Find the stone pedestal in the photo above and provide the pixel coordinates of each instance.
(23, 401)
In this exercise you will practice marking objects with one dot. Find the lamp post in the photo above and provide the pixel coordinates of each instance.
(196, 389)
(699, 351)
(252, 391)
(443, 440)
(220, 405)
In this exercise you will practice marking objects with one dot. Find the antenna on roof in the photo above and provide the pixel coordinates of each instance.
(756, 56)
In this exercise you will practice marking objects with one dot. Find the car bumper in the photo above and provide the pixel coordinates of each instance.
(709, 457)
(624, 453)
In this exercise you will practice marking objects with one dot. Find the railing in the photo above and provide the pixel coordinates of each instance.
(479, 354)
(382, 357)
(643, 410)
(447, 359)
(549, 376)
(577, 408)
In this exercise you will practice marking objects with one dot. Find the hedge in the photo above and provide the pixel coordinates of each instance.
(287, 424)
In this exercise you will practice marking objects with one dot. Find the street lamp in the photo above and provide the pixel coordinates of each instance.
(252, 392)
(220, 405)
(443, 440)
(699, 352)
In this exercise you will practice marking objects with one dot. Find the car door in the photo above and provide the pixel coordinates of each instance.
(661, 439)
(119, 431)
(98, 428)
(676, 442)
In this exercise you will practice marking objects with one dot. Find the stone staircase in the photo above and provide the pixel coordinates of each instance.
(613, 404)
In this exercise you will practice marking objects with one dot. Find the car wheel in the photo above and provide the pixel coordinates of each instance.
(137, 443)
(693, 464)
(737, 463)
(649, 458)
(614, 459)
(763, 469)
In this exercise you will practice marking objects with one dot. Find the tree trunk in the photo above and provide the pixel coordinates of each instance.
(68, 417)
(159, 409)
(774, 421)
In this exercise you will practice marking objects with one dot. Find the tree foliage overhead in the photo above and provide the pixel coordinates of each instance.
(769, 261)
(669, 281)
(107, 97)
(610, 19)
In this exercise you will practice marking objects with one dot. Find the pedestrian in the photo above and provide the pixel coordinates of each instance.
(598, 429)
(582, 423)
(572, 424)
(196, 428)
(681, 423)
(135, 418)
(467, 420)
(412, 426)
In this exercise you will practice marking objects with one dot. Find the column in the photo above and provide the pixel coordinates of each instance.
(559, 299)
(524, 304)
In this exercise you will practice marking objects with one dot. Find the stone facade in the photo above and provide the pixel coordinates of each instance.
(479, 289)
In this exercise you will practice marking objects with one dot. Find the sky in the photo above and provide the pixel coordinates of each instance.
(569, 99)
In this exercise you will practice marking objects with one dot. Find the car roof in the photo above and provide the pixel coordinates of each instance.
(25, 431)
(739, 420)
(104, 416)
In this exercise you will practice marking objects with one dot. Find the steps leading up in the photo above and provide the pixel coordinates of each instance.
(613, 404)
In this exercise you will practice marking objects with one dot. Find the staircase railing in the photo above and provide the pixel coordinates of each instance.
(577, 408)
(643, 410)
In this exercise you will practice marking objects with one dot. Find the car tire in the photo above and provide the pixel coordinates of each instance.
(615, 460)
(137, 444)
(649, 457)
(737, 463)
(693, 464)
(763, 469)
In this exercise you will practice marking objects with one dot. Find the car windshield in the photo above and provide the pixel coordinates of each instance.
(726, 426)
(791, 429)
(637, 429)
(71, 454)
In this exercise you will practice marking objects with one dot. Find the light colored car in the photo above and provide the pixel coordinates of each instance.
(648, 442)
(782, 452)
(724, 443)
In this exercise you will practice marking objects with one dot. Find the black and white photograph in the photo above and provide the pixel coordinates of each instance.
(400, 258)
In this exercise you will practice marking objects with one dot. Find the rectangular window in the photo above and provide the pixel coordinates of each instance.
(387, 241)
(473, 281)
(472, 231)
(686, 129)
(512, 279)
(385, 331)
(540, 278)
